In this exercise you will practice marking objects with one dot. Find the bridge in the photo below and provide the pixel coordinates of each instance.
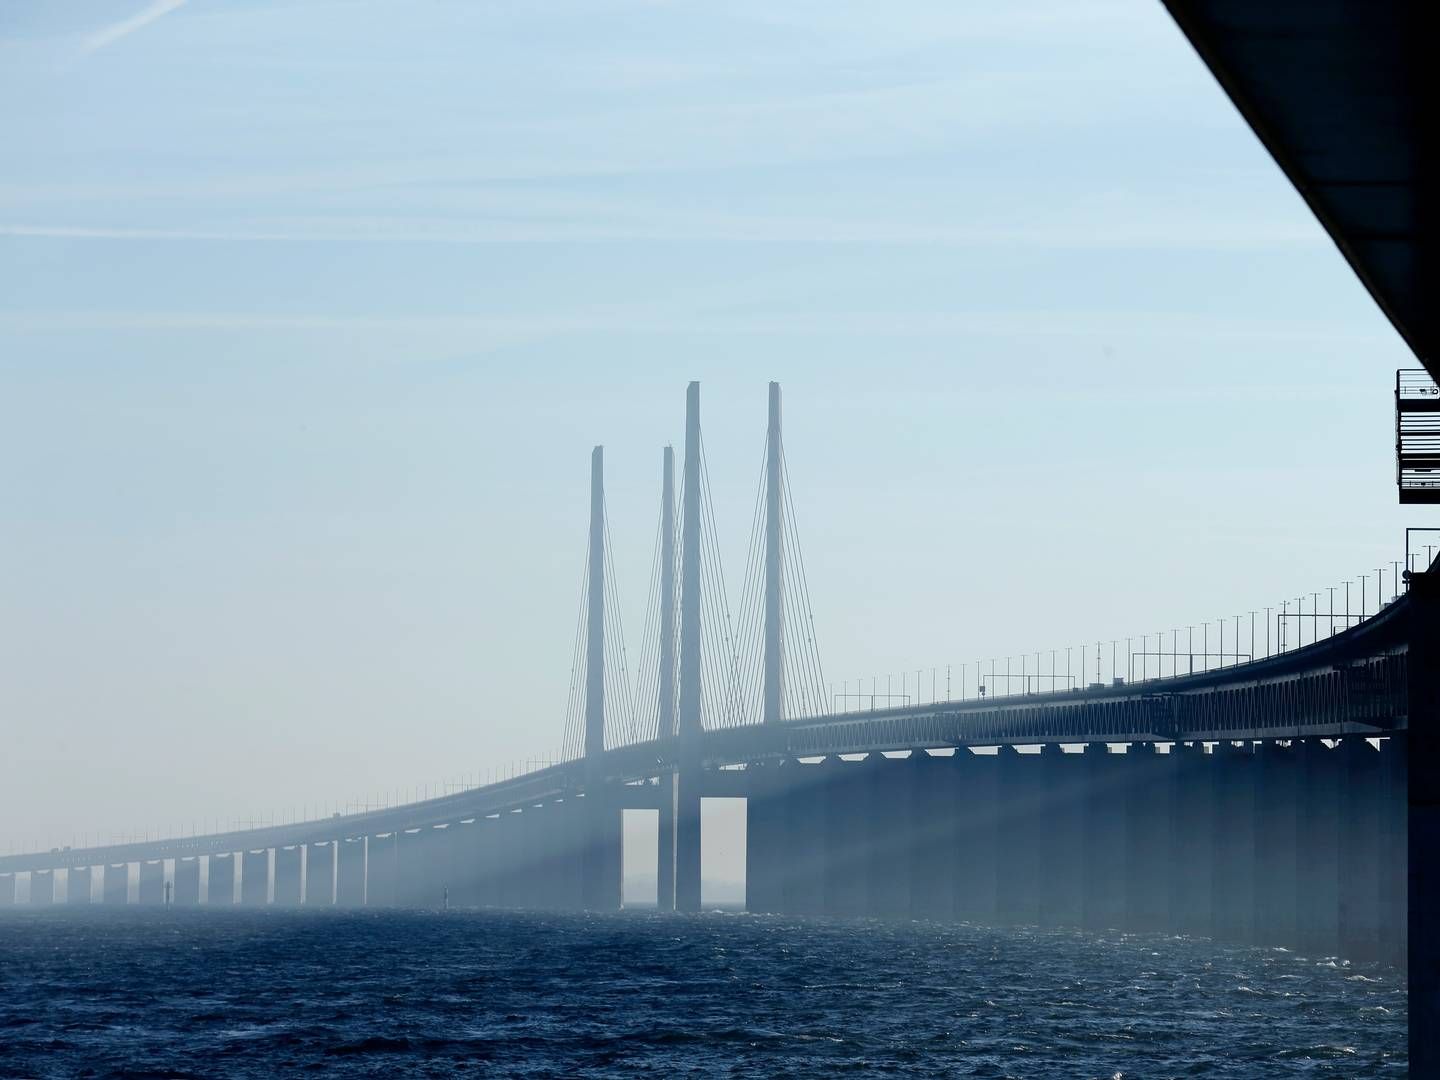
(1290, 798)
(1245, 797)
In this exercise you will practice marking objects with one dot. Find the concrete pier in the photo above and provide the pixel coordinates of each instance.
(1021, 837)
(255, 878)
(1192, 843)
(1232, 887)
(1359, 851)
(350, 872)
(42, 888)
(973, 792)
(115, 884)
(803, 882)
(487, 855)
(287, 876)
(1276, 824)
(7, 890)
(77, 885)
(846, 838)
(1106, 838)
(1394, 866)
(1317, 899)
(1061, 836)
(933, 843)
(886, 786)
(413, 887)
(187, 881)
(320, 874)
(765, 838)
(460, 844)
(382, 870)
(509, 891)
(1149, 822)
(151, 891)
(220, 889)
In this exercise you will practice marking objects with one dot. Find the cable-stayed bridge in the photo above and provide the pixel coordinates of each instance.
(1244, 788)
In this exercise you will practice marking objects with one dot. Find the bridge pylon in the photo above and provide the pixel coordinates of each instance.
(665, 858)
(686, 791)
(600, 823)
(774, 689)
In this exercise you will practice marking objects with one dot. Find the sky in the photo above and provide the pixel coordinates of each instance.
(311, 312)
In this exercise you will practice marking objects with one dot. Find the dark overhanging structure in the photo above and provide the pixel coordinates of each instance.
(1341, 93)
(1336, 92)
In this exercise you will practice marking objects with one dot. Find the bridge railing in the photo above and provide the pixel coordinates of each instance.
(1210, 645)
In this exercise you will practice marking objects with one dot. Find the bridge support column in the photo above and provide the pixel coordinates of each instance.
(350, 872)
(77, 885)
(1317, 901)
(1018, 879)
(1105, 838)
(973, 794)
(1149, 815)
(1192, 847)
(487, 856)
(151, 891)
(687, 838)
(320, 874)
(846, 809)
(508, 892)
(886, 834)
(415, 886)
(766, 838)
(1275, 832)
(1423, 825)
(603, 853)
(255, 878)
(803, 883)
(115, 883)
(1232, 896)
(1394, 871)
(220, 888)
(665, 846)
(1061, 835)
(288, 876)
(42, 888)
(382, 855)
(528, 855)
(933, 843)
(187, 881)
(460, 853)
(7, 890)
(1361, 842)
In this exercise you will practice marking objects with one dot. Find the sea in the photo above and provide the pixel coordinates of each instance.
(137, 993)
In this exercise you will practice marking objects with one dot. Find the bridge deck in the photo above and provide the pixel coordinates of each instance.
(1354, 682)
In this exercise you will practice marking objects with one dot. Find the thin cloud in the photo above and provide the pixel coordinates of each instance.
(115, 31)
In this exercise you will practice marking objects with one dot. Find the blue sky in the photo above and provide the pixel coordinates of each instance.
(310, 313)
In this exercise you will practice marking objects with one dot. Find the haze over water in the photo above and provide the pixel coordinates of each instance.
(239, 994)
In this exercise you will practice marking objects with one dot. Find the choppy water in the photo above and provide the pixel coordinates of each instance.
(235, 994)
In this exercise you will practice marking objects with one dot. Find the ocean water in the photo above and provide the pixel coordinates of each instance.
(157, 993)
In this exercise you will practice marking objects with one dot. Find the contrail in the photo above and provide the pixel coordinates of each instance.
(116, 31)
